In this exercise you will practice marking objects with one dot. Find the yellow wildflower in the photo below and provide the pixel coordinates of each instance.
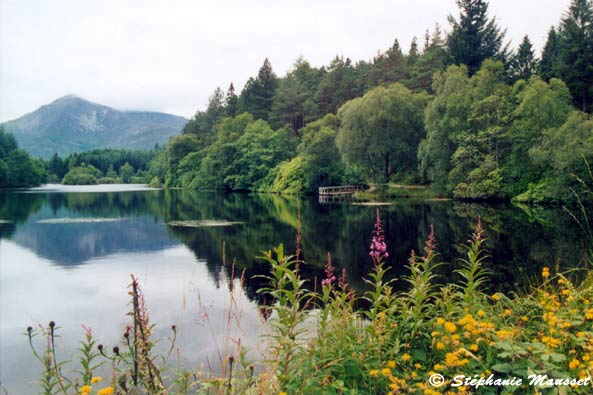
(105, 391)
(391, 364)
(385, 371)
(440, 321)
(374, 373)
(96, 379)
(565, 292)
(406, 357)
(282, 393)
(450, 327)
(574, 364)
(481, 313)
(495, 297)
(546, 272)
(473, 347)
(506, 312)
(85, 389)
(504, 334)
(524, 318)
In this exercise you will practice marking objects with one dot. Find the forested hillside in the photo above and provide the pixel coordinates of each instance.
(71, 124)
(460, 110)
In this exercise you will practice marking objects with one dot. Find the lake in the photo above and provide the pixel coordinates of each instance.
(66, 254)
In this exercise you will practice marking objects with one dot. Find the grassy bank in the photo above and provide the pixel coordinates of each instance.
(391, 191)
(333, 341)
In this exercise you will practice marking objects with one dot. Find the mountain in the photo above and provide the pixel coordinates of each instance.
(72, 124)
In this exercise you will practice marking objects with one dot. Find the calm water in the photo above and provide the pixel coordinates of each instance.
(66, 254)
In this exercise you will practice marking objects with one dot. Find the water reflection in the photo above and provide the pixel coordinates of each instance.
(71, 228)
(67, 256)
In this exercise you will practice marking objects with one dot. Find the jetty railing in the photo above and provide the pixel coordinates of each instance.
(341, 190)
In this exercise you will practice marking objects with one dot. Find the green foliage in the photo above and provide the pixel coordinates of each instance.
(480, 138)
(259, 149)
(17, 168)
(381, 131)
(477, 162)
(338, 85)
(82, 175)
(474, 37)
(541, 106)
(126, 172)
(488, 140)
(565, 154)
(446, 116)
(258, 94)
(289, 177)
(106, 161)
(549, 60)
(575, 52)
(524, 64)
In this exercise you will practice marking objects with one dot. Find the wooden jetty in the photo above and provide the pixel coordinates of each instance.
(339, 194)
(341, 190)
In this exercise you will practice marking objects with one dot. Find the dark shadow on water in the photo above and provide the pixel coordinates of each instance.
(71, 228)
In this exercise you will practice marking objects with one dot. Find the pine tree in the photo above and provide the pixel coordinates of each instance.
(524, 62)
(231, 102)
(258, 94)
(575, 52)
(547, 64)
(413, 53)
(432, 59)
(475, 37)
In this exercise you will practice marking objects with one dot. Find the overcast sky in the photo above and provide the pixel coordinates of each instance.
(170, 55)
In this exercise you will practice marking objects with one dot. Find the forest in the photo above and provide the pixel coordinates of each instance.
(460, 111)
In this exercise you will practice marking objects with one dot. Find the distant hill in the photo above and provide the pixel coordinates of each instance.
(72, 124)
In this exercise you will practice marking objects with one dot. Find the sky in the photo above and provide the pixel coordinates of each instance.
(169, 56)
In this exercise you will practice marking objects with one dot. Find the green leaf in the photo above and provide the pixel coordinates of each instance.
(557, 357)
(418, 354)
(502, 367)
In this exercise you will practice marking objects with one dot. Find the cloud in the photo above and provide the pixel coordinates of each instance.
(170, 56)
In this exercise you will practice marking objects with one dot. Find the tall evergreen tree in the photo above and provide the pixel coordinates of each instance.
(337, 86)
(258, 95)
(474, 37)
(231, 102)
(547, 68)
(432, 59)
(413, 53)
(524, 62)
(57, 166)
(203, 122)
(575, 51)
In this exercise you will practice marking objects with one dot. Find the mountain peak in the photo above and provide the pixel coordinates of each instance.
(73, 124)
(68, 97)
